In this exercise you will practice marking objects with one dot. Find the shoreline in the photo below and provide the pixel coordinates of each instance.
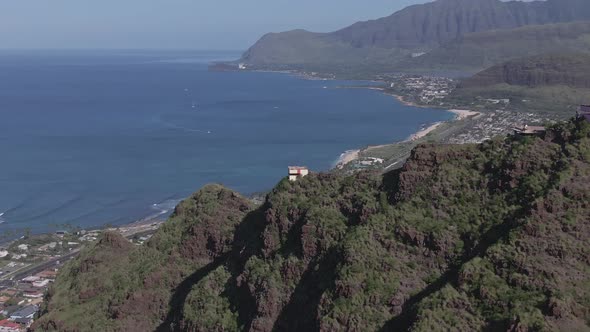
(125, 227)
(463, 114)
(347, 157)
(351, 155)
(423, 132)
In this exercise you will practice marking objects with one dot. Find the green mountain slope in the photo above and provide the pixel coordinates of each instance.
(414, 29)
(300, 49)
(543, 83)
(555, 69)
(465, 238)
(477, 51)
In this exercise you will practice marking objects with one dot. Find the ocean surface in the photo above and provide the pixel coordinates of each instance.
(110, 137)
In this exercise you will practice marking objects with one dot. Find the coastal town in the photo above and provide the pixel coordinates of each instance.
(30, 264)
(484, 120)
(417, 89)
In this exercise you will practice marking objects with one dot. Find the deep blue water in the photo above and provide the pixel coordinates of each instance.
(96, 138)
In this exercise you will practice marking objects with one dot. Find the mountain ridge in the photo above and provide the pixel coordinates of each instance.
(417, 28)
(551, 83)
(550, 69)
(477, 51)
(470, 237)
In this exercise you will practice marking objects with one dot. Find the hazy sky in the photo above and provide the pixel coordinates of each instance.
(185, 24)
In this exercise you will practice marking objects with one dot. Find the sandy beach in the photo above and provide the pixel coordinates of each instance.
(463, 114)
(347, 157)
(352, 155)
(422, 133)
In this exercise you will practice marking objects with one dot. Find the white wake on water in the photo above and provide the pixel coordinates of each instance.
(163, 208)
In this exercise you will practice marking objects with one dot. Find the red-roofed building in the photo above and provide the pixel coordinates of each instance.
(47, 274)
(8, 326)
(297, 172)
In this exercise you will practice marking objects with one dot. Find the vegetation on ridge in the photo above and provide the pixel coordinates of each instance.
(455, 34)
(473, 237)
(542, 83)
(474, 52)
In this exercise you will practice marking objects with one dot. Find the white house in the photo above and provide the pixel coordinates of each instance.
(40, 283)
(297, 172)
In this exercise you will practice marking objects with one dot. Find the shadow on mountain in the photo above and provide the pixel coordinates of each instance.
(184, 288)
(404, 321)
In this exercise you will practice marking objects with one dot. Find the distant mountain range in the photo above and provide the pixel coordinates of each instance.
(426, 31)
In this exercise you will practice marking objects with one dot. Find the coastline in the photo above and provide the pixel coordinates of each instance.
(423, 132)
(347, 157)
(463, 114)
(352, 155)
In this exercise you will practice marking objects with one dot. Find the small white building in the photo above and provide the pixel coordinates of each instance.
(297, 172)
(41, 283)
(48, 246)
(31, 279)
(23, 247)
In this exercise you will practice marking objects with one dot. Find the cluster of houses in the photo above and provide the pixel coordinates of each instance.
(7, 325)
(425, 89)
(19, 320)
(20, 300)
(583, 113)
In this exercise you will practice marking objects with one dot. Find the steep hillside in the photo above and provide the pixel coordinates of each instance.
(463, 238)
(556, 69)
(413, 29)
(300, 49)
(544, 83)
(478, 51)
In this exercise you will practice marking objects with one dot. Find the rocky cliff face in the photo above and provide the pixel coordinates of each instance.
(434, 23)
(475, 52)
(546, 70)
(477, 237)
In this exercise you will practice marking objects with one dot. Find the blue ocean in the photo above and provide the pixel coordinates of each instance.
(109, 137)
